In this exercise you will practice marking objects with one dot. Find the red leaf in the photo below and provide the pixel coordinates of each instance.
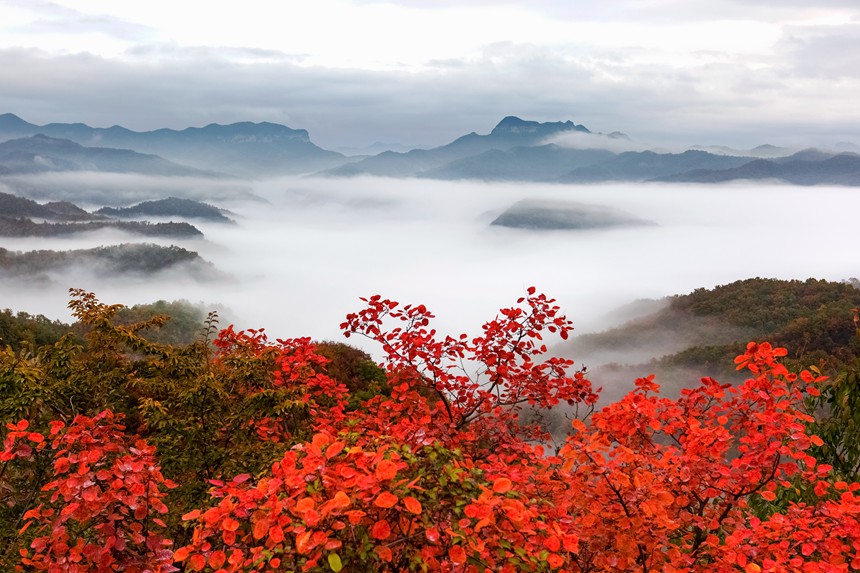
(456, 553)
(381, 530)
(502, 485)
(385, 470)
(197, 562)
(412, 504)
(385, 500)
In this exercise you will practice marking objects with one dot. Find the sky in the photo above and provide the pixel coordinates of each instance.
(423, 72)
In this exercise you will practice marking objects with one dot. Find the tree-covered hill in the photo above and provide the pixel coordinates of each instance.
(706, 328)
(169, 207)
(23, 217)
(23, 227)
(17, 207)
(110, 261)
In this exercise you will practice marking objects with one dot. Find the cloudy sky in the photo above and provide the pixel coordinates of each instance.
(353, 72)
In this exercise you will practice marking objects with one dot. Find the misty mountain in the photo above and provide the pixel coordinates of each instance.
(41, 154)
(509, 133)
(765, 151)
(12, 206)
(23, 227)
(808, 167)
(519, 150)
(17, 214)
(540, 163)
(246, 149)
(515, 150)
(563, 215)
(705, 329)
(373, 149)
(106, 262)
(170, 207)
(646, 165)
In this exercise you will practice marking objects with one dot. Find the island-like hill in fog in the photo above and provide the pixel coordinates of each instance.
(22, 217)
(109, 262)
(169, 207)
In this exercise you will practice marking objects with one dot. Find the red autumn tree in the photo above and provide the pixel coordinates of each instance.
(102, 510)
(441, 475)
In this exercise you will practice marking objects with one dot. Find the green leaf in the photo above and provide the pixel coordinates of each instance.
(334, 562)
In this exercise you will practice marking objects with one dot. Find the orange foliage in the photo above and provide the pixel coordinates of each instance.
(442, 475)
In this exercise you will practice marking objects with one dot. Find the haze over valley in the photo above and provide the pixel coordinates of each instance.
(292, 253)
(605, 154)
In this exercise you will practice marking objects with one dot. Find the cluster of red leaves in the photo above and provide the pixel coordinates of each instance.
(665, 485)
(327, 504)
(512, 370)
(101, 511)
(297, 371)
(440, 475)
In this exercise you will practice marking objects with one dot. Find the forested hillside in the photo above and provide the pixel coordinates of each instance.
(706, 328)
(115, 260)
(235, 453)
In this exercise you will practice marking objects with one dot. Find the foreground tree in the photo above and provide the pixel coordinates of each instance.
(103, 509)
(442, 475)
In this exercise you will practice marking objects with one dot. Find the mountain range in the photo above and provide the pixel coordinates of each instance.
(515, 150)
(244, 149)
(40, 153)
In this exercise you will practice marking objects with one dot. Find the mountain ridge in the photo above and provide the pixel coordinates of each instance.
(242, 148)
(515, 149)
(40, 153)
(509, 133)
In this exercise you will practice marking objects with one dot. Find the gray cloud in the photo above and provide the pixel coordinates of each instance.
(828, 52)
(54, 18)
(725, 99)
(664, 11)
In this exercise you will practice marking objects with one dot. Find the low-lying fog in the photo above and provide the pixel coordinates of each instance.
(302, 259)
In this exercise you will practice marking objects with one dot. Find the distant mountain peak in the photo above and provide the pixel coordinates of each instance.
(247, 131)
(41, 142)
(618, 135)
(513, 125)
(12, 121)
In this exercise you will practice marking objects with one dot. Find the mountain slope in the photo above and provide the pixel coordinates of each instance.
(645, 165)
(804, 168)
(13, 206)
(705, 329)
(540, 163)
(40, 154)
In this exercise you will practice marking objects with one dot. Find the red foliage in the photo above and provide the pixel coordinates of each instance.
(442, 475)
(102, 510)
